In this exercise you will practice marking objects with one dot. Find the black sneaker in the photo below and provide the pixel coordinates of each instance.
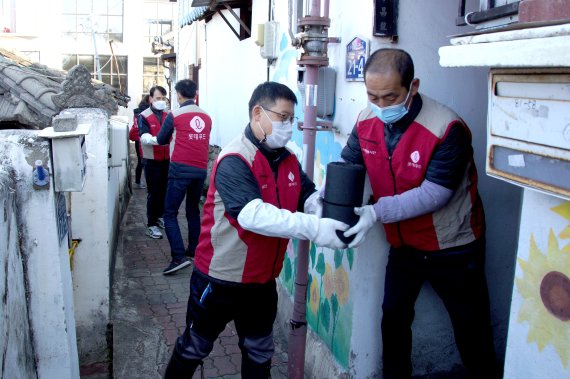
(190, 254)
(176, 265)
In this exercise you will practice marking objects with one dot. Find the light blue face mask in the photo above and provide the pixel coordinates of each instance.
(391, 113)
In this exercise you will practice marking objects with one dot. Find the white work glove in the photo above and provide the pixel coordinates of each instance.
(268, 220)
(367, 219)
(326, 234)
(148, 139)
(314, 204)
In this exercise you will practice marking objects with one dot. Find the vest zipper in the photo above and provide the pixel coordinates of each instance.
(395, 193)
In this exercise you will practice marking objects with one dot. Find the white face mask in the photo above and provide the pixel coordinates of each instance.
(159, 105)
(281, 133)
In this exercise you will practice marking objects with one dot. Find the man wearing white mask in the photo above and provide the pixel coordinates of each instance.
(156, 159)
(256, 193)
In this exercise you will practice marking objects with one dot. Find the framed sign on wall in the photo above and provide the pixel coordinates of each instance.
(357, 52)
(386, 19)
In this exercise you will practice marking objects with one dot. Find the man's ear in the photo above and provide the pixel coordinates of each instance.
(415, 86)
(256, 113)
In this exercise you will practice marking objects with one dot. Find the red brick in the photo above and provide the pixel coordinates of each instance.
(543, 10)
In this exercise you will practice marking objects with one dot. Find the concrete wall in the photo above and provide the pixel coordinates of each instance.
(17, 357)
(38, 326)
(95, 219)
(346, 288)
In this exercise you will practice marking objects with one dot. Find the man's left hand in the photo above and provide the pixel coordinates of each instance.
(367, 219)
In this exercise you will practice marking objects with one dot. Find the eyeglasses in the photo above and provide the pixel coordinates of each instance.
(283, 117)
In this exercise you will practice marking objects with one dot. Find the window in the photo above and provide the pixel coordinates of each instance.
(487, 13)
(113, 70)
(160, 15)
(84, 21)
(153, 73)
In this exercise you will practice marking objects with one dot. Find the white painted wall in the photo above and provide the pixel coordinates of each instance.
(230, 71)
(45, 267)
(17, 358)
(95, 222)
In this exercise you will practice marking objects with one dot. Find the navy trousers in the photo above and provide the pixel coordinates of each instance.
(176, 190)
(211, 306)
(458, 277)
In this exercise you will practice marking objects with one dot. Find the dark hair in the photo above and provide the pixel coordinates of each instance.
(186, 88)
(267, 93)
(159, 88)
(386, 60)
(145, 101)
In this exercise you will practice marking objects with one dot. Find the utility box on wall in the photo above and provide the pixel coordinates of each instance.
(326, 85)
(68, 157)
(118, 140)
(528, 129)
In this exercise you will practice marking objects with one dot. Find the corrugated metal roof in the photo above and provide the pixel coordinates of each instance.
(188, 14)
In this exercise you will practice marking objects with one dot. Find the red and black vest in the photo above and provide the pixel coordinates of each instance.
(156, 152)
(228, 252)
(191, 136)
(460, 221)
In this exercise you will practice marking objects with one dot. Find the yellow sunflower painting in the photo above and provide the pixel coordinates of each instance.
(545, 289)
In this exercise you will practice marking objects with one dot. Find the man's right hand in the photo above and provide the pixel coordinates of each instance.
(148, 139)
(326, 234)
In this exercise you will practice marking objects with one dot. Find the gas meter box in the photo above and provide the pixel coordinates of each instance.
(528, 129)
(68, 157)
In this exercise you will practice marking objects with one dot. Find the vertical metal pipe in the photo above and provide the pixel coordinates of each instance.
(298, 333)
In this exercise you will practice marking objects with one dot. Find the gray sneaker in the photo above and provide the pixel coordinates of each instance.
(160, 222)
(153, 232)
(139, 186)
(176, 265)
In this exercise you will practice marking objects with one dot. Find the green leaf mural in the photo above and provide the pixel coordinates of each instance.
(287, 270)
(320, 264)
(350, 256)
(312, 254)
(334, 305)
(325, 314)
(337, 258)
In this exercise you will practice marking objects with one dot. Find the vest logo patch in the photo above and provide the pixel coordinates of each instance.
(367, 151)
(197, 124)
(291, 178)
(415, 157)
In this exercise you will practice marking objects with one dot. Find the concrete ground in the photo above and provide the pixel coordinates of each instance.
(149, 308)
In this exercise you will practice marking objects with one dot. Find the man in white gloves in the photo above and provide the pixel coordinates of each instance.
(419, 159)
(156, 159)
(256, 193)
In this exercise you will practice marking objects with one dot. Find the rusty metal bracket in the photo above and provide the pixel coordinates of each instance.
(322, 126)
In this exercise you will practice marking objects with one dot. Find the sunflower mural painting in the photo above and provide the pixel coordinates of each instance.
(545, 290)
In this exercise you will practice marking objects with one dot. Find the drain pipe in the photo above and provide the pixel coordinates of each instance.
(312, 40)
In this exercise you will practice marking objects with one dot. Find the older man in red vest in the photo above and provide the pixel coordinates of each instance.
(419, 158)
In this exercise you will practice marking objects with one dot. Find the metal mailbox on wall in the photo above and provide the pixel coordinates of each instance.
(528, 129)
